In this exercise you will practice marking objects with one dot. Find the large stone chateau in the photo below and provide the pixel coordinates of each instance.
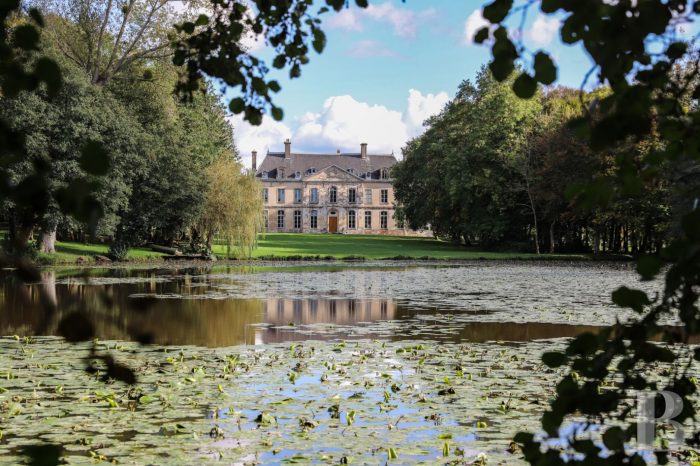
(328, 193)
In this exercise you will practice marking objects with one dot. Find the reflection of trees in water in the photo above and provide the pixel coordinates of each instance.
(115, 315)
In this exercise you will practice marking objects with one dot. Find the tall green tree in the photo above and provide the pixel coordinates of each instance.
(636, 51)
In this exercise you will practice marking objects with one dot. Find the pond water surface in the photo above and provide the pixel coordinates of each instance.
(253, 304)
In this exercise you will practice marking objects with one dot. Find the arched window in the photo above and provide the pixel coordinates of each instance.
(352, 220)
(333, 194)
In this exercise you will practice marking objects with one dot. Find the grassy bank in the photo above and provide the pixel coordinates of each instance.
(290, 246)
(285, 245)
(69, 253)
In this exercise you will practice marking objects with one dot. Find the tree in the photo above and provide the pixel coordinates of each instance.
(106, 38)
(647, 99)
(462, 175)
(233, 206)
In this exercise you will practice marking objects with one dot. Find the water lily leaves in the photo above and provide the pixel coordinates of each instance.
(166, 420)
(266, 419)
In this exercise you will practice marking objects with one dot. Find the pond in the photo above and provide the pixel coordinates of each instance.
(255, 304)
(266, 363)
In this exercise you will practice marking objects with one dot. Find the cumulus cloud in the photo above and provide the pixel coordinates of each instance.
(404, 22)
(474, 22)
(420, 108)
(543, 30)
(370, 48)
(343, 123)
(269, 135)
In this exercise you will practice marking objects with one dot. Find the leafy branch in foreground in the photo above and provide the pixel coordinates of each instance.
(652, 72)
(214, 46)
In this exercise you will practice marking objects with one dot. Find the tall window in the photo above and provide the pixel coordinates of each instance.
(265, 218)
(280, 173)
(368, 196)
(314, 219)
(314, 195)
(280, 219)
(297, 219)
(384, 196)
(352, 224)
(385, 173)
(297, 195)
(383, 220)
(280, 195)
(352, 195)
(265, 195)
(368, 219)
(333, 194)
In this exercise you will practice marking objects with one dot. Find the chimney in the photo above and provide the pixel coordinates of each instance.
(255, 161)
(363, 150)
(287, 149)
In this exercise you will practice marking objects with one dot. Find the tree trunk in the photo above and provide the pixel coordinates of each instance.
(24, 236)
(47, 241)
(551, 236)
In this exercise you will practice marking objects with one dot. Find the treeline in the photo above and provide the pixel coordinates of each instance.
(167, 158)
(502, 172)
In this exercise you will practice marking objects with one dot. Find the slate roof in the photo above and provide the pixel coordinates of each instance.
(303, 163)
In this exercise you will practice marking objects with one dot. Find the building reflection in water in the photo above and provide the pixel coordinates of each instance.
(342, 311)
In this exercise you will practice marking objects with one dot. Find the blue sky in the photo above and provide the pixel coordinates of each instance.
(387, 68)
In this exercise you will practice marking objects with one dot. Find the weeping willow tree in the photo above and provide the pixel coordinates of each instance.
(233, 207)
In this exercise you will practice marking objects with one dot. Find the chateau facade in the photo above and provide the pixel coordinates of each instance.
(348, 193)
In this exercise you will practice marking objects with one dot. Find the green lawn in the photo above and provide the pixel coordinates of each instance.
(296, 245)
(285, 245)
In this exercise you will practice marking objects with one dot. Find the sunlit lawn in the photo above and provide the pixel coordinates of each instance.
(298, 245)
(366, 246)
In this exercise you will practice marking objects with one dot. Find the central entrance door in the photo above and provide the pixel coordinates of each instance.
(332, 223)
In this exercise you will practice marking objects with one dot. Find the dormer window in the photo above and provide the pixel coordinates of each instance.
(312, 169)
(264, 175)
(297, 175)
(280, 173)
(368, 175)
(385, 173)
(351, 171)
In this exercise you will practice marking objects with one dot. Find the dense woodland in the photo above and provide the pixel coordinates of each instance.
(502, 172)
(169, 158)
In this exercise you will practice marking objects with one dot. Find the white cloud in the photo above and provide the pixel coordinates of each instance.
(543, 30)
(404, 22)
(420, 108)
(269, 135)
(370, 48)
(343, 123)
(347, 20)
(474, 22)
